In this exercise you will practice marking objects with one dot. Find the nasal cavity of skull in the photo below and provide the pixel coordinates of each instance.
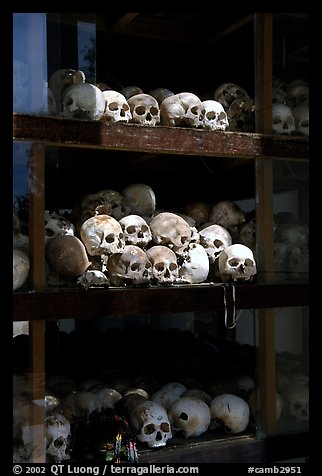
(59, 442)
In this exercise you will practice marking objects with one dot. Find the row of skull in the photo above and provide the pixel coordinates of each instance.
(172, 410)
(165, 251)
(231, 108)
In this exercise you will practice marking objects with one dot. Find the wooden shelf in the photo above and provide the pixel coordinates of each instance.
(94, 303)
(238, 449)
(161, 139)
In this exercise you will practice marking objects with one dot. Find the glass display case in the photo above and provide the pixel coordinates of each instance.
(72, 337)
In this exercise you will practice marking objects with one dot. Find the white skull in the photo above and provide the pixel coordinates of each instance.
(57, 225)
(164, 264)
(165, 398)
(140, 198)
(21, 266)
(131, 266)
(183, 109)
(296, 401)
(108, 397)
(195, 266)
(214, 116)
(236, 263)
(198, 394)
(58, 437)
(230, 412)
(117, 108)
(102, 235)
(66, 254)
(60, 80)
(282, 119)
(136, 231)
(93, 278)
(191, 416)
(302, 119)
(299, 94)
(144, 109)
(171, 230)
(229, 215)
(176, 387)
(151, 424)
(83, 101)
(214, 239)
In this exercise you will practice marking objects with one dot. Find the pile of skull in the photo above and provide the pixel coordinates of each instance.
(290, 107)
(230, 108)
(199, 385)
(119, 239)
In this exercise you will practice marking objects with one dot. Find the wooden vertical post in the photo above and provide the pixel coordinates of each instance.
(264, 220)
(37, 328)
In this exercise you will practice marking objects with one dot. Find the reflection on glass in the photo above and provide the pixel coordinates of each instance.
(30, 87)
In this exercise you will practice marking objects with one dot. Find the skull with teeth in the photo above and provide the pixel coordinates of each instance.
(131, 266)
(164, 264)
(151, 424)
(136, 231)
(236, 263)
(144, 109)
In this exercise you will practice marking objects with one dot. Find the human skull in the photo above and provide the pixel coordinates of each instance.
(164, 264)
(214, 239)
(214, 116)
(129, 91)
(140, 198)
(195, 266)
(160, 94)
(247, 234)
(104, 202)
(236, 263)
(136, 231)
(183, 109)
(108, 397)
(93, 278)
(199, 394)
(296, 401)
(83, 101)
(282, 119)
(227, 93)
(302, 119)
(102, 235)
(199, 211)
(230, 412)
(165, 398)
(229, 215)
(117, 108)
(21, 266)
(57, 225)
(66, 254)
(171, 230)
(190, 416)
(299, 93)
(151, 424)
(144, 109)
(60, 80)
(58, 437)
(176, 387)
(279, 96)
(131, 266)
